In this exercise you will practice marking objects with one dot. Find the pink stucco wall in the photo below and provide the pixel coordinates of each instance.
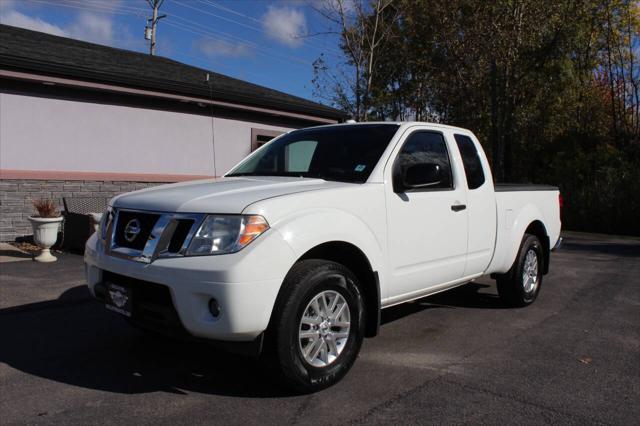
(38, 133)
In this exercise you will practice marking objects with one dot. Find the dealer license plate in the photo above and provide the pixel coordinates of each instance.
(118, 299)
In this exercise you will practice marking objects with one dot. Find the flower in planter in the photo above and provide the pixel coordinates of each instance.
(45, 208)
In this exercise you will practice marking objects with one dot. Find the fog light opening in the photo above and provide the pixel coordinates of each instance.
(214, 308)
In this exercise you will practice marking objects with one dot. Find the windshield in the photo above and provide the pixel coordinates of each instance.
(346, 153)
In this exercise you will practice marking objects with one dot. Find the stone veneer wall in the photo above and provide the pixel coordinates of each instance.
(16, 196)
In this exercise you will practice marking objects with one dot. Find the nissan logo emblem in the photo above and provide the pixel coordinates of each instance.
(132, 230)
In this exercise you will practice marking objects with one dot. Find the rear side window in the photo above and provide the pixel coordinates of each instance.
(471, 160)
(427, 147)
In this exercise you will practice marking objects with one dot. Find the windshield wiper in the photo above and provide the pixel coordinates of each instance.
(239, 174)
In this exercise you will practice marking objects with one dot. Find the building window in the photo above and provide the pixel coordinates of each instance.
(259, 137)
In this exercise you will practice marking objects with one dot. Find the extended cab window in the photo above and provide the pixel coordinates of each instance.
(471, 160)
(427, 147)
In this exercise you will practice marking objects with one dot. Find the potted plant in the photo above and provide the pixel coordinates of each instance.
(45, 228)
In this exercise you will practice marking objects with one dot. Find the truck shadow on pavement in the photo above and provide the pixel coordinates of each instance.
(74, 340)
(471, 295)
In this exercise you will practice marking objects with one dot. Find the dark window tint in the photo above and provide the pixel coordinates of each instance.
(471, 160)
(425, 148)
(345, 153)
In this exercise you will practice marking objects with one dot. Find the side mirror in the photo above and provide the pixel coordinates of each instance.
(418, 176)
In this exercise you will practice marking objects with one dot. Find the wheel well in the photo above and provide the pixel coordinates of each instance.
(353, 258)
(537, 228)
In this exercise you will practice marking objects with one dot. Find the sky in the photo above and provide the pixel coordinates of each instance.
(270, 43)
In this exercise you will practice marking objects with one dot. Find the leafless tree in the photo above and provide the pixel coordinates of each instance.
(363, 26)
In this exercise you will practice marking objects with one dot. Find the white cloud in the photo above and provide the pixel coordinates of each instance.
(285, 24)
(85, 25)
(217, 48)
(17, 19)
(92, 27)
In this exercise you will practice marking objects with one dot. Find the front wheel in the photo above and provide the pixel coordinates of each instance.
(317, 326)
(521, 285)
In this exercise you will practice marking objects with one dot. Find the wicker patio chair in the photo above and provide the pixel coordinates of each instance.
(78, 224)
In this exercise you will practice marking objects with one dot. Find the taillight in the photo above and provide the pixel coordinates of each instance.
(560, 204)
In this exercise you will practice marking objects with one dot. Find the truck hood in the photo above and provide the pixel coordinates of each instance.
(224, 195)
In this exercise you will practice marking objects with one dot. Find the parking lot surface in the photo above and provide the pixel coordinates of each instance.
(457, 357)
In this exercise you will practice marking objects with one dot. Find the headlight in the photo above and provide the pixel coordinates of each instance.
(221, 234)
(105, 222)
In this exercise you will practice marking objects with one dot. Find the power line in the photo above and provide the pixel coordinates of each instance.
(203, 30)
(262, 21)
(242, 24)
(204, 34)
(121, 9)
(94, 7)
(206, 12)
(207, 29)
(232, 11)
(187, 25)
(295, 58)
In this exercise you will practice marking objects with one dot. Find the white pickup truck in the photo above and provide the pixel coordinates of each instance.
(296, 250)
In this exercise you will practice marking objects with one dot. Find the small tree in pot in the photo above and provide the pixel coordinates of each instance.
(45, 228)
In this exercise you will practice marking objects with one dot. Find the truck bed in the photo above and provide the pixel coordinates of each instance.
(511, 187)
(516, 207)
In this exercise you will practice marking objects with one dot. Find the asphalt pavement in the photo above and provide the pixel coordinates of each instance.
(573, 357)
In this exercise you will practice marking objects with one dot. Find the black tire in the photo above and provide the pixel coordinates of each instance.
(306, 281)
(512, 286)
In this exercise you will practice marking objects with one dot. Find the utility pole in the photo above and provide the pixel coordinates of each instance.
(150, 31)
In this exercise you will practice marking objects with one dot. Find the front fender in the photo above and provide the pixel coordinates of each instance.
(354, 214)
(301, 233)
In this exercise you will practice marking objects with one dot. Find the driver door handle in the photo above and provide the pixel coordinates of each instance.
(458, 207)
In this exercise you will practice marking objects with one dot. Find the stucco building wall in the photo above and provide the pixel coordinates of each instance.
(49, 134)
(56, 143)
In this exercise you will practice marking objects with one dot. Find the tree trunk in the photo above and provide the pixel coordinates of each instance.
(497, 153)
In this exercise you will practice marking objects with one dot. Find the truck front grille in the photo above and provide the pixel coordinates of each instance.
(144, 236)
(129, 221)
(179, 235)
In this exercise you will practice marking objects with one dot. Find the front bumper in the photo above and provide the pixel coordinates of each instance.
(245, 284)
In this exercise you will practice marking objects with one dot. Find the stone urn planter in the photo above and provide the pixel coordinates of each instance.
(45, 228)
(45, 234)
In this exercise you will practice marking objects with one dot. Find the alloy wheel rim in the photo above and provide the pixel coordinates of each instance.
(530, 272)
(324, 328)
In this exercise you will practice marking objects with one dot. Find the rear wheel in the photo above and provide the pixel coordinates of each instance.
(521, 285)
(317, 326)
